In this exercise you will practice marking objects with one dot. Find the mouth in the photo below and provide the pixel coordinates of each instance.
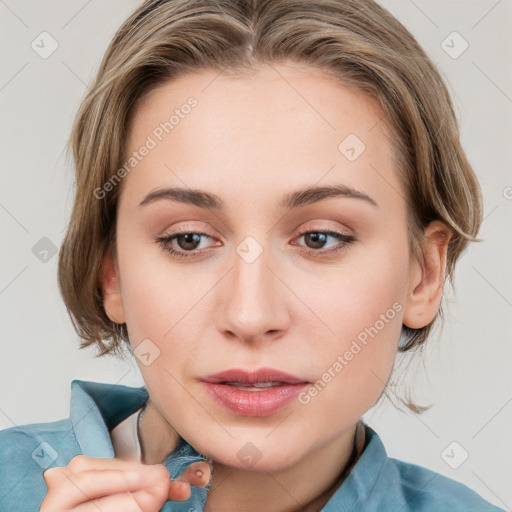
(255, 393)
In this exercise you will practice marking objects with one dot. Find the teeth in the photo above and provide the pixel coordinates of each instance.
(250, 387)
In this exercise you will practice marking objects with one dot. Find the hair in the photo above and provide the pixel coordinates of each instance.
(359, 44)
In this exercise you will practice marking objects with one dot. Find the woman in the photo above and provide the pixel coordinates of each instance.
(270, 196)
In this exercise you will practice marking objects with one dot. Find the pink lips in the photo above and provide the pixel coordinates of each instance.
(256, 400)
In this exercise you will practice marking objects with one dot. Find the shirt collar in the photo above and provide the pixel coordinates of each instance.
(98, 407)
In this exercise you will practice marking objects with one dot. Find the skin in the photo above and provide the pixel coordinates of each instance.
(250, 141)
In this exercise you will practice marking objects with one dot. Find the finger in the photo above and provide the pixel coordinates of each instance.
(198, 474)
(178, 491)
(72, 489)
(83, 463)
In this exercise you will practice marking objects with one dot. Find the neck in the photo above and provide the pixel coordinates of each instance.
(305, 487)
(157, 438)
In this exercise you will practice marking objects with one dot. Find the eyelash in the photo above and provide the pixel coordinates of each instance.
(344, 239)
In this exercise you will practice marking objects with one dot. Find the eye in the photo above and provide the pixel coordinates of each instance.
(187, 241)
(316, 241)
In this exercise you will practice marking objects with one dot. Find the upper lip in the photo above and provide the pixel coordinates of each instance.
(252, 376)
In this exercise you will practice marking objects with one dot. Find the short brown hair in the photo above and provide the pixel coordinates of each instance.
(358, 43)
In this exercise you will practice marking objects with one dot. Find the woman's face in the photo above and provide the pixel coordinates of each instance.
(247, 289)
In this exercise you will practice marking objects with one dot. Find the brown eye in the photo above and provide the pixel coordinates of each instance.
(183, 244)
(315, 241)
(188, 241)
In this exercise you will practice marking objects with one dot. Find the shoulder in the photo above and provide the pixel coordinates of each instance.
(424, 490)
(26, 451)
(379, 483)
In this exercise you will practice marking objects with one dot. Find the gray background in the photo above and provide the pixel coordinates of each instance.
(465, 370)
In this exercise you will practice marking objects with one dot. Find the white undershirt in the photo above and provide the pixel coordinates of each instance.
(124, 438)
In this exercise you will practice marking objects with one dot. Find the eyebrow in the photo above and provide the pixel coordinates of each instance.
(293, 200)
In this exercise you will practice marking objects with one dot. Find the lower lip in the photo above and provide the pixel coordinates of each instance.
(254, 403)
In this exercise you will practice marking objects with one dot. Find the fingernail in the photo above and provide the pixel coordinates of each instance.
(199, 473)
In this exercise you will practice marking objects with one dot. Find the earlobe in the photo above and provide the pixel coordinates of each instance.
(427, 278)
(112, 300)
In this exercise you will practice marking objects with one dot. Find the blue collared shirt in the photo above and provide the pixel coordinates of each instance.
(377, 483)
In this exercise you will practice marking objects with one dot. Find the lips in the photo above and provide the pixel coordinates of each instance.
(255, 393)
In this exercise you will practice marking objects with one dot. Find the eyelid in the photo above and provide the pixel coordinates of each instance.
(324, 226)
(186, 227)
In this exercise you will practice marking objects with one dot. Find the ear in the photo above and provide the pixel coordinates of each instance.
(427, 277)
(111, 291)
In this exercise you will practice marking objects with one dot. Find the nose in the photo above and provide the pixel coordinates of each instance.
(253, 303)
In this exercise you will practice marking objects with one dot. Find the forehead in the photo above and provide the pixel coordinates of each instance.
(266, 99)
(282, 123)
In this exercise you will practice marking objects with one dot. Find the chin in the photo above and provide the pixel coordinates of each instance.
(258, 455)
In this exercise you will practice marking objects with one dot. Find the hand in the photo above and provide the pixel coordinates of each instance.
(88, 484)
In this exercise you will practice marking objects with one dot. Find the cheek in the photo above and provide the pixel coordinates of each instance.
(151, 289)
(364, 308)
(367, 290)
(153, 298)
